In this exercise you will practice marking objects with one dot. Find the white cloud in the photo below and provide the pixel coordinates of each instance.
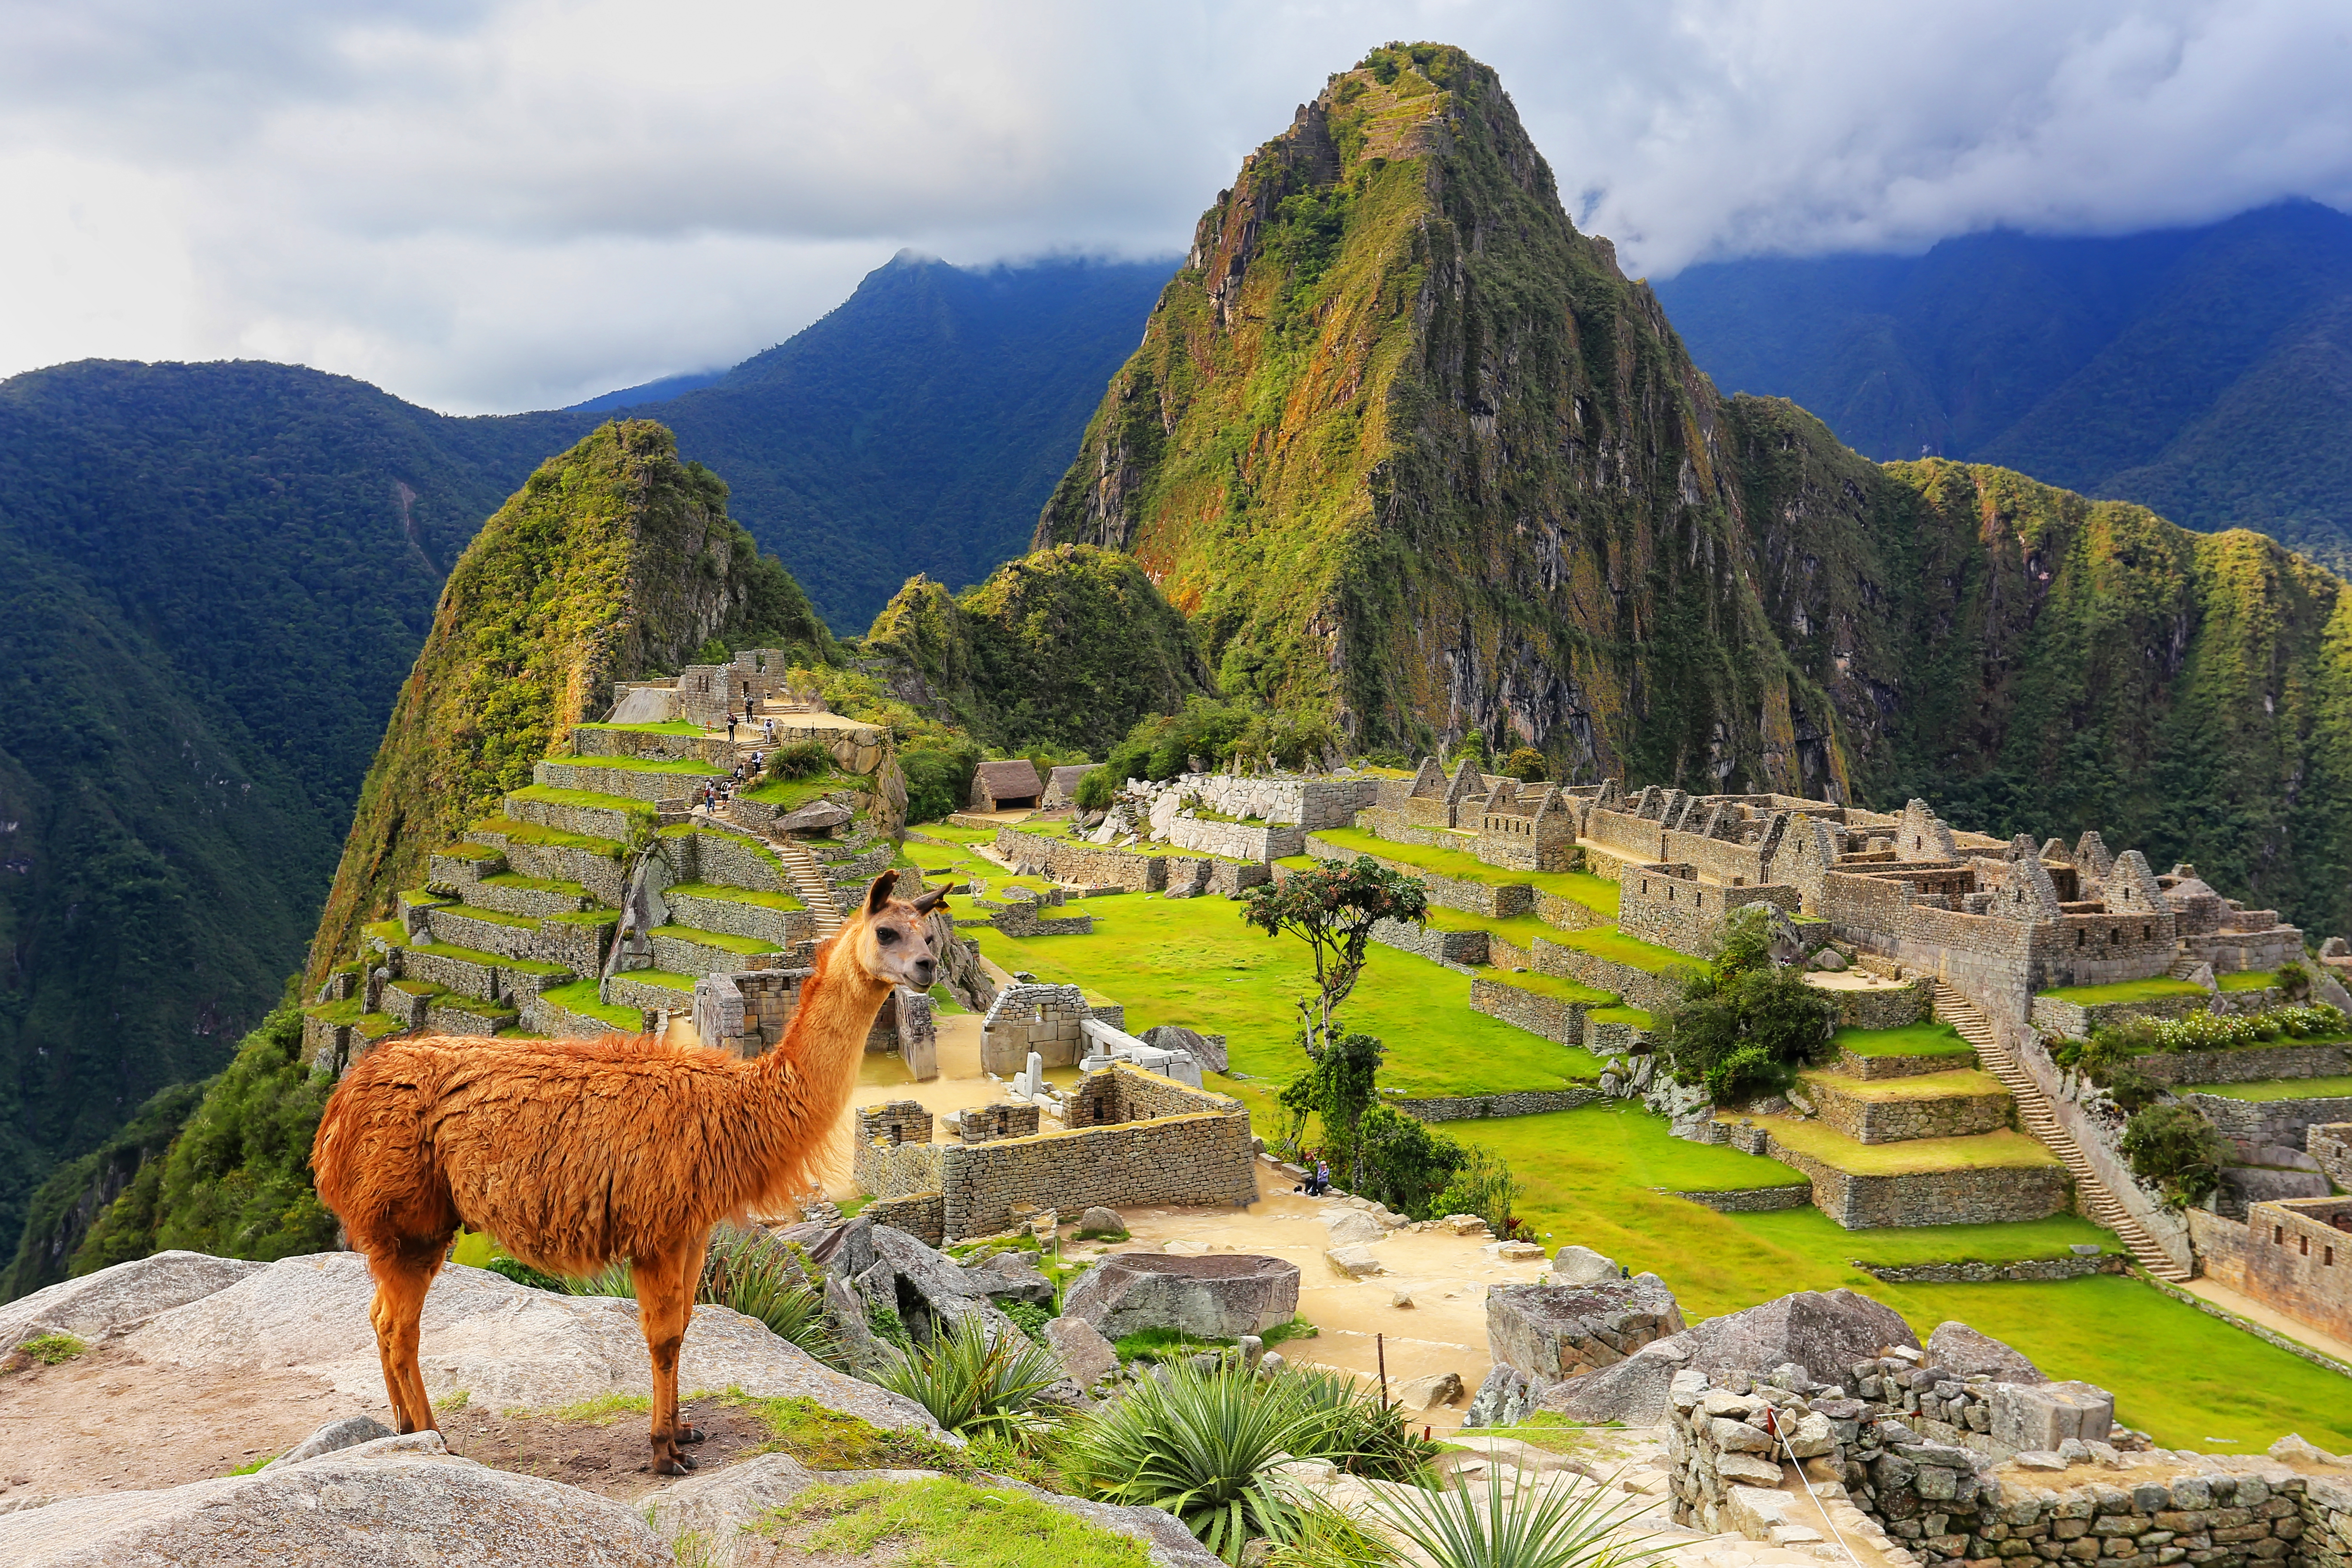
(520, 202)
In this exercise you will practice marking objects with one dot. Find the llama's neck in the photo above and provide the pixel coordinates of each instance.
(799, 1089)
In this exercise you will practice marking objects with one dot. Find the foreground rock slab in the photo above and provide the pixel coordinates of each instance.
(505, 1344)
(118, 1299)
(398, 1500)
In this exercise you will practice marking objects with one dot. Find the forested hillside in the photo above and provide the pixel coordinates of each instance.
(2206, 372)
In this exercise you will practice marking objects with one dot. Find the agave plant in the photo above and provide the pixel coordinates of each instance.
(1351, 1426)
(974, 1382)
(1564, 1525)
(1198, 1444)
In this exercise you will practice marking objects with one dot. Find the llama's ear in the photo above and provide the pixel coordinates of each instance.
(925, 903)
(877, 897)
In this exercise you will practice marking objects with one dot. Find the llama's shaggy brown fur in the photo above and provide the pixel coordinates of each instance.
(574, 1153)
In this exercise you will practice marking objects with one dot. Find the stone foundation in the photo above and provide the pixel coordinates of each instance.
(1869, 1120)
(1432, 943)
(1975, 1196)
(1552, 1017)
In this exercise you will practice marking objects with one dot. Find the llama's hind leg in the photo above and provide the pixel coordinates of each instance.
(665, 1286)
(403, 1276)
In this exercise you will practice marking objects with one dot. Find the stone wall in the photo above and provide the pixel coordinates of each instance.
(1552, 1017)
(1881, 1067)
(1306, 802)
(2246, 1064)
(922, 1216)
(890, 1170)
(1868, 1121)
(1192, 879)
(1047, 1019)
(1086, 865)
(1433, 943)
(1750, 1200)
(2282, 1122)
(1974, 1196)
(1475, 1107)
(1659, 904)
(600, 777)
(1235, 840)
(1652, 992)
(1638, 838)
(1555, 909)
(2024, 1270)
(2295, 1260)
(1206, 1159)
(2332, 1147)
(1880, 1007)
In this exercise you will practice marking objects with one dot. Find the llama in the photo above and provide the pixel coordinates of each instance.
(574, 1153)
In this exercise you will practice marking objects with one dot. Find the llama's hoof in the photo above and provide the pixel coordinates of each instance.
(690, 1434)
(679, 1466)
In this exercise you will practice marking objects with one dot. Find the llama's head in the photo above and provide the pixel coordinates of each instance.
(891, 938)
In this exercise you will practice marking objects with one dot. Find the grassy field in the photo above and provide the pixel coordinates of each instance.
(1192, 961)
(2247, 980)
(1596, 893)
(2276, 1089)
(2125, 990)
(1921, 1039)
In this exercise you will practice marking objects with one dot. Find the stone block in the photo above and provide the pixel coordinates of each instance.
(2045, 1416)
(1219, 1296)
(1564, 1330)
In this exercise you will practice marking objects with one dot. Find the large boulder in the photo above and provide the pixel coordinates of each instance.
(398, 1500)
(1011, 1276)
(1209, 1050)
(1567, 1330)
(716, 1508)
(1825, 1332)
(887, 1268)
(1582, 1266)
(1962, 1352)
(509, 1345)
(118, 1299)
(1352, 1227)
(1219, 1296)
(1086, 1357)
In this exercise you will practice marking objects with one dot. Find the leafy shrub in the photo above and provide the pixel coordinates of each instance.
(1747, 1072)
(2132, 1088)
(885, 1324)
(1744, 1028)
(2294, 979)
(1402, 1163)
(1097, 789)
(747, 1271)
(2112, 1042)
(1527, 765)
(237, 1182)
(1198, 1445)
(939, 779)
(1028, 1317)
(2178, 1150)
(522, 1273)
(971, 1381)
(1349, 1425)
(1481, 1185)
(801, 760)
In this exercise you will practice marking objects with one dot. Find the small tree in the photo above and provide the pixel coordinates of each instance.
(1405, 1164)
(1527, 765)
(1333, 908)
(2177, 1149)
(1340, 1086)
(1743, 1026)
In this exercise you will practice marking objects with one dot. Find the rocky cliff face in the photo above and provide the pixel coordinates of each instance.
(615, 560)
(1402, 443)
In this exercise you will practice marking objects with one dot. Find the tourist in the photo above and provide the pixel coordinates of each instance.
(772, 731)
(746, 708)
(730, 727)
(1319, 1182)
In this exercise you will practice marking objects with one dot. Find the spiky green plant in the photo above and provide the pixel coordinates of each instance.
(975, 1382)
(1198, 1444)
(1567, 1524)
(1351, 1426)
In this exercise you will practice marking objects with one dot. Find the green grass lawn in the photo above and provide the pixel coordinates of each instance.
(520, 832)
(957, 835)
(1983, 1151)
(1959, 1083)
(791, 793)
(1609, 943)
(1921, 1039)
(1619, 1014)
(580, 997)
(2125, 990)
(1520, 931)
(2276, 1089)
(1550, 985)
(1596, 893)
(2247, 980)
(1192, 962)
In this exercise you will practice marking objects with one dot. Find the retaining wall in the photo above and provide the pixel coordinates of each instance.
(1520, 1102)
(1931, 1197)
(1552, 1017)
(1643, 989)
(1869, 1120)
(1432, 943)
(2282, 1122)
(1087, 865)
(2246, 1064)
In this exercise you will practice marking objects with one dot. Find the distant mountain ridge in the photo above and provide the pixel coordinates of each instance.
(2205, 372)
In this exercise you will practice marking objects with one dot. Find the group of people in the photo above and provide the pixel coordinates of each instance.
(765, 728)
(719, 791)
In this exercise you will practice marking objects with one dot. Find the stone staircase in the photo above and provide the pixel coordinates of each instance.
(2035, 1115)
(811, 882)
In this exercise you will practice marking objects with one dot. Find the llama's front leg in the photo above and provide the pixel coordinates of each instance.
(401, 1282)
(665, 1302)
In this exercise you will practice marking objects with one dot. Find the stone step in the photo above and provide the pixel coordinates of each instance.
(2035, 1115)
(684, 950)
(815, 888)
(462, 865)
(589, 814)
(629, 777)
(652, 988)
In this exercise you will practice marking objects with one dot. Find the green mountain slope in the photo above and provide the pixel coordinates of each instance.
(1064, 649)
(2203, 372)
(1402, 443)
(614, 560)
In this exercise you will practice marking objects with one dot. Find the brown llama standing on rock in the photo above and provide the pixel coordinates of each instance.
(574, 1153)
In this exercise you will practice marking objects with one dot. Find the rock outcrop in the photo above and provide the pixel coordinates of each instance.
(117, 1300)
(1566, 1330)
(394, 1501)
(1220, 1296)
(1958, 1351)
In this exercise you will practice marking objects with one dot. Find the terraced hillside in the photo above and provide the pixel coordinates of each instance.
(512, 928)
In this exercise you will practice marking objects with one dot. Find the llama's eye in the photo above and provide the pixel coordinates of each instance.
(886, 936)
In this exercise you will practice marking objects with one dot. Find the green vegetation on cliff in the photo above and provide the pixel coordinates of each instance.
(1064, 649)
(615, 560)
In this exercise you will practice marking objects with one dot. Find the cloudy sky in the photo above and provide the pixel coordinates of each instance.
(495, 205)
